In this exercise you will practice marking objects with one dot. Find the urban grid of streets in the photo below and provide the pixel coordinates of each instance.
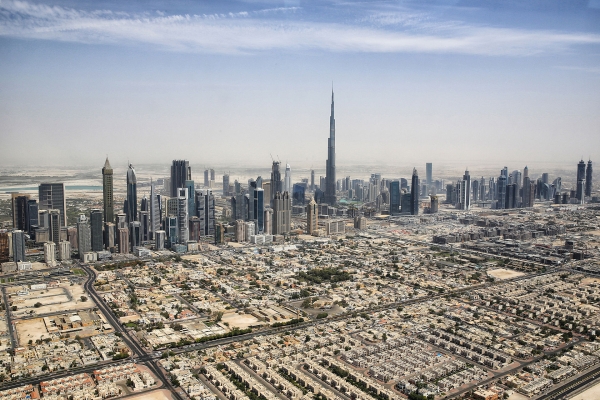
(389, 239)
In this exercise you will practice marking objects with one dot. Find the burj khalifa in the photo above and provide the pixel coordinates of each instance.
(330, 181)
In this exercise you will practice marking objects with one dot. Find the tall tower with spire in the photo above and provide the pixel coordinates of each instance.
(588, 179)
(107, 191)
(330, 181)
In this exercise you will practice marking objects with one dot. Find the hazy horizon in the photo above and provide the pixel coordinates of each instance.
(232, 83)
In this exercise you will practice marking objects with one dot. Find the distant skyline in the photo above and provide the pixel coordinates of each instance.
(457, 82)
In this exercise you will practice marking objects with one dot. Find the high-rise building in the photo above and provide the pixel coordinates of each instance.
(282, 213)
(54, 221)
(182, 216)
(312, 217)
(144, 220)
(172, 230)
(511, 196)
(191, 195)
(109, 235)
(414, 193)
(135, 234)
(527, 190)
(429, 173)
(435, 204)
(287, 180)
(84, 236)
(18, 245)
(226, 185)
(52, 197)
(155, 210)
(107, 192)
(259, 209)
(96, 230)
(475, 190)
(588, 179)
(205, 203)
(180, 172)
(312, 180)
(19, 210)
(219, 233)
(50, 253)
(5, 246)
(465, 192)
(123, 240)
(580, 188)
(131, 208)
(276, 184)
(330, 180)
(64, 250)
(268, 224)
(31, 216)
(394, 197)
(159, 240)
(501, 190)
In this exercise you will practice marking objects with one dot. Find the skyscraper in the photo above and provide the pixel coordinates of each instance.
(226, 185)
(394, 197)
(588, 179)
(429, 173)
(182, 216)
(259, 209)
(414, 193)
(84, 239)
(54, 224)
(312, 180)
(465, 192)
(96, 229)
(330, 180)
(131, 209)
(501, 188)
(31, 216)
(580, 189)
(282, 213)
(107, 191)
(312, 217)
(276, 185)
(52, 197)
(180, 172)
(18, 245)
(155, 210)
(19, 209)
(287, 181)
(205, 201)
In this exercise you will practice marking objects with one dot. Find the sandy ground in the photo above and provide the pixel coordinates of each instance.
(517, 396)
(161, 394)
(587, 281)
(30, 329)
(241, 321)
(54, 299)
(597, 232)
(591, 393)
(504, 273)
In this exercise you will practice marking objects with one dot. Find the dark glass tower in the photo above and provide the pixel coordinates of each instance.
(107, 191)
(180, 172)
(330, 180)
(52, 197)
(414, 193)
(131, 202)
(580, 180)
(96, 230)
(395, 198)
(588, 179)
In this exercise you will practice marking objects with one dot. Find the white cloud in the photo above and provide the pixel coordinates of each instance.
(244, 32)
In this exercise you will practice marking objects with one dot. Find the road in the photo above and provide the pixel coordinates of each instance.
(9, 323)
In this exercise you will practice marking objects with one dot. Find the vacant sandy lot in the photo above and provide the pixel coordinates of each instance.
(502, 273)
(52, 300)
(30, 329)
(587, 281)
(591, 393)
(241, 321)
(161, 394)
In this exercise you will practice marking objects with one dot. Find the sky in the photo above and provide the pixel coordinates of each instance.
(238, 82)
